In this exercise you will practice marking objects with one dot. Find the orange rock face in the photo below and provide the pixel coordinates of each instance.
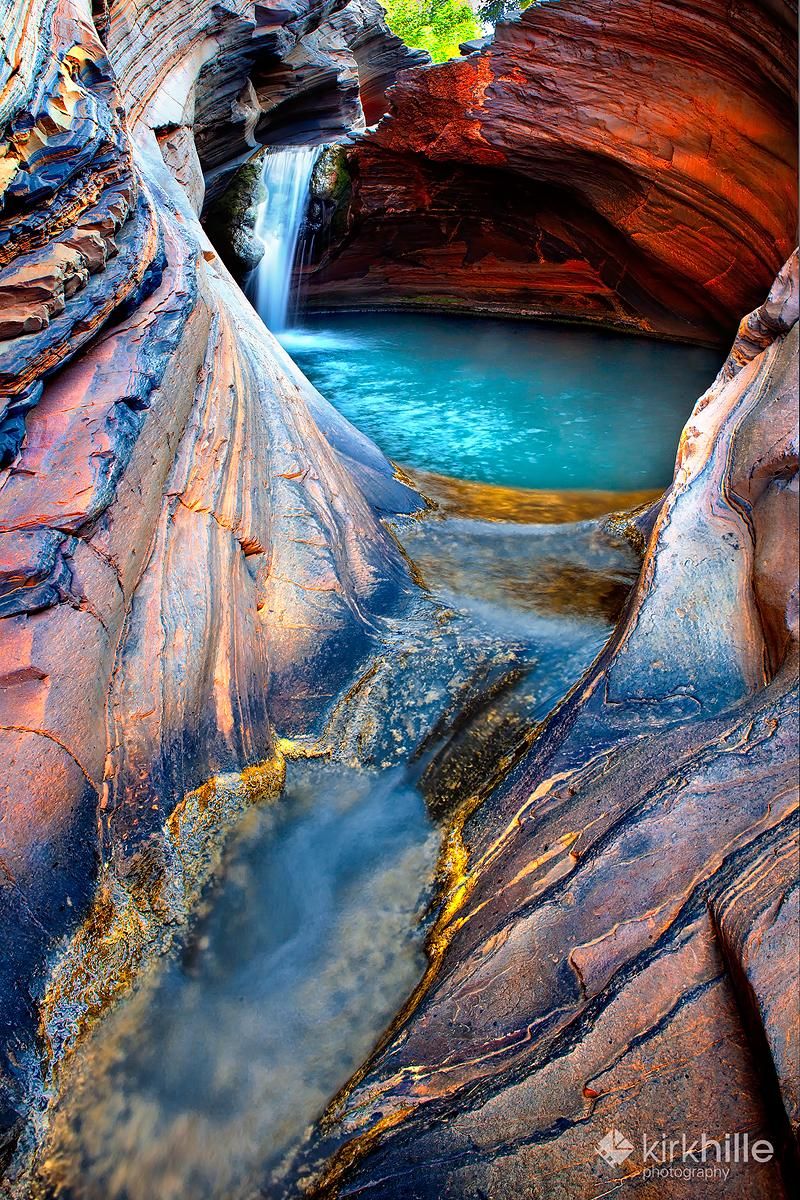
(617, 947)
(626, 164)
(186, 565)
(193, 563)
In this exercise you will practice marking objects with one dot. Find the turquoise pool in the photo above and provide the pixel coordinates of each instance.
(508, 402)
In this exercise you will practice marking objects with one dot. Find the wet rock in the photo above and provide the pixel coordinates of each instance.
(331, 193)
(186, 563)
(194, 565)
(231, 220)
(616, 928)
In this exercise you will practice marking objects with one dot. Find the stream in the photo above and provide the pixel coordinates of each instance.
(205, 1079)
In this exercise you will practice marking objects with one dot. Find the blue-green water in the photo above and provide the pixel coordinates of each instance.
(508, 402)
(304, 950)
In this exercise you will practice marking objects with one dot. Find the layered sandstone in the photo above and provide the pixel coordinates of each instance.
(617, 945)
(187, 565)
(624, 164)
(193, 565)
(311, 78)
(285, 74)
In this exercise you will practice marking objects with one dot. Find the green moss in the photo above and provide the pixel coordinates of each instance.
(242, 193)
(331, 178)
(343, 186)
(230, 220)
(332, 184)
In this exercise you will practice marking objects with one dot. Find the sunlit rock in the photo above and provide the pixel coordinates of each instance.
(197, 577)
(187, 564)
(579, 167)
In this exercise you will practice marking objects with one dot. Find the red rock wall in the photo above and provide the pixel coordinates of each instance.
(615, 162)
(618, 942)
(186, 565)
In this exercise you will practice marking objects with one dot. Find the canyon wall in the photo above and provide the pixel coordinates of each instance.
(617, 945)
(187, 565)
(282, 74)
(625, 164)
(193, 566)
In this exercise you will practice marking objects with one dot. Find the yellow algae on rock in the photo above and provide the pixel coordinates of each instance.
(143, 904)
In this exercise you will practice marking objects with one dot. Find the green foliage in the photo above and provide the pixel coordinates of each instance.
(438, 26)
(492, 11)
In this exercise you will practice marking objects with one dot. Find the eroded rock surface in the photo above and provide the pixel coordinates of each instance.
(186, 563)
(629, 164)
(192, 560)
(618, 941)
(305, 72)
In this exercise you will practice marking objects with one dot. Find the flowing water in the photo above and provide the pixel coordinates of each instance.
(308, 944)
(507, 402)
(211, 1072)
(285, 176)
(206, 1079)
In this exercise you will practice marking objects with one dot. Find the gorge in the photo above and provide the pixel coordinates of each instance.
(397, 807)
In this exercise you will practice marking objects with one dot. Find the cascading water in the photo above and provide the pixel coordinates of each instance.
(286, 177)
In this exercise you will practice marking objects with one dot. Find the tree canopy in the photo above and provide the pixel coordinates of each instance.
(438, 26)
(492, 11)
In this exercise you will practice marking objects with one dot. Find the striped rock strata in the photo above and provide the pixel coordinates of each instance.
(633, 165)
(617, 947)
(192, 561)
(308, 72)
(186, 563)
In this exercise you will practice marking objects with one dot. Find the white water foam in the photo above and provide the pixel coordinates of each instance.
(286, 177)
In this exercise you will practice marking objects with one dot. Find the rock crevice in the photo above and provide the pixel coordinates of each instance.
(195, 572)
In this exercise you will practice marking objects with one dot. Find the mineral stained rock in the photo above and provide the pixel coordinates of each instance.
(618, 942)
(192, 559)
(629, 164)
(186, 562)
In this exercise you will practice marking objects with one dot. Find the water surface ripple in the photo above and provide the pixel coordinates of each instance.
(508, 402)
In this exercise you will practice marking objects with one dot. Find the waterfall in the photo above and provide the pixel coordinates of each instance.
(286, 176)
